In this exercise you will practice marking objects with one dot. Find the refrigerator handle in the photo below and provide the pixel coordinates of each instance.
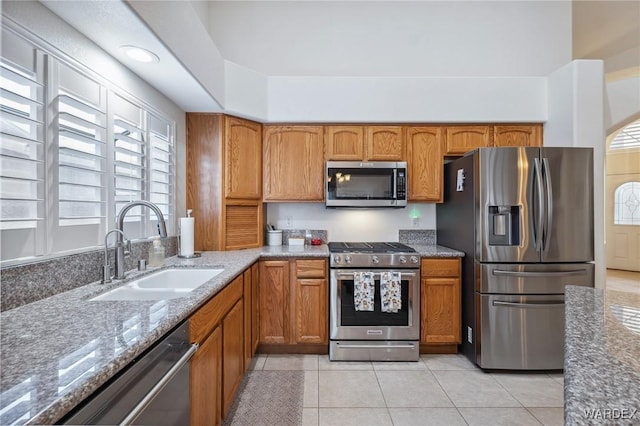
(546, 234)
(524, 274)
(538, 221)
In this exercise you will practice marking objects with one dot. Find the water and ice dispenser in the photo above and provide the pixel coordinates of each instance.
(504, 225)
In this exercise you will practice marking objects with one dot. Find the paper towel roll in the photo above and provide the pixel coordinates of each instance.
(186, 236)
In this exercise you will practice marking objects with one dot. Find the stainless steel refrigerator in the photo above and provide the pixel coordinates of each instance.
(524, 219)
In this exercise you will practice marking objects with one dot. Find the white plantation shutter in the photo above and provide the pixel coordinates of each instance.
(80, 150)
(162, 171)
(22, 153)
(74, 149)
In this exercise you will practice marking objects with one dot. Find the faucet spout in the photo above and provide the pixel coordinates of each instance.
(120, 252)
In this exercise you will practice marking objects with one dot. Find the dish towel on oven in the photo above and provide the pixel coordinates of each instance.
(363, 291)
(390, 292)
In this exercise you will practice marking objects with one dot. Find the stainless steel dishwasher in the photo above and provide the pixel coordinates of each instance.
(153, 390)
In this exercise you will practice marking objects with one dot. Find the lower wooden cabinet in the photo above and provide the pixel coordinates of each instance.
(294, 303)
(232, 355)
(250, 313)
(440, 303)
(218, 365)
(206, 382)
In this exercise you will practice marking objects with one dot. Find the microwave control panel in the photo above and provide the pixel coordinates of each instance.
(401, 185)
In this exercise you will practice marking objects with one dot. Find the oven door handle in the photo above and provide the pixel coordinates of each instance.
(409, 346)
(349, 275)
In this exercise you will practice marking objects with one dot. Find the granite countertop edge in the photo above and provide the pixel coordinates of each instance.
(233, 263)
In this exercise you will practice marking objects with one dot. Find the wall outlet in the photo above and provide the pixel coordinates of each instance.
(289, 221)
(415, 222)
(469, 334)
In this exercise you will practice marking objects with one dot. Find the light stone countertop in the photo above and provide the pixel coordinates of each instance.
(39, 342)
(602, 357)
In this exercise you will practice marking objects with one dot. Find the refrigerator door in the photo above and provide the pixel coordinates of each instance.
(568, 204)
(510, 187)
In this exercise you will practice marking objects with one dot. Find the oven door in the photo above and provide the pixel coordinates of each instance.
(349, 324)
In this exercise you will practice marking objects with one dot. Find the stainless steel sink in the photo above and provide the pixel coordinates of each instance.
(161, 285)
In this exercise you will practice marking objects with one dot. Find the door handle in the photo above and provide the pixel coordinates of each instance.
(529, 305)
(549, 206)
(135, 412)
(538, 221)
(498, 272)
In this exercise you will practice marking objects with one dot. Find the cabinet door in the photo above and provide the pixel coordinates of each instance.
(255, 296)
(274, 301)
(384, 143)
(242, 224)
(344, 143)
(425, 163)
(526, 135)
(248, 317)
(293, 163)
(242, 159)
(311, 310)
(440, 310)
(232, 355)
(461, 139)
(205, 381)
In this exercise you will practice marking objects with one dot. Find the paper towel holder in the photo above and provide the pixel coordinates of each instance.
(190, 256)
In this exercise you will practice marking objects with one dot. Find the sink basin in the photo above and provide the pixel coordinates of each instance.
(161, 285)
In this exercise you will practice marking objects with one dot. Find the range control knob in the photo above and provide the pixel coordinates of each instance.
(375, 259)
(414, 259)
(336, 258)
(347, 259)
(403, 259)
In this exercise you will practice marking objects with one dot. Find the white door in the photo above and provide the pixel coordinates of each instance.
(623, 222)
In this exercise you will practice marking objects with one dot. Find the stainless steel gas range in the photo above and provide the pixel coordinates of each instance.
(374, 302)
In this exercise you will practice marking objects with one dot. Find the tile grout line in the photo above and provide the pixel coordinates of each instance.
(446, 393)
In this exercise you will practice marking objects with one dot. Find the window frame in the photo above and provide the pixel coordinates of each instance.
(53, 56)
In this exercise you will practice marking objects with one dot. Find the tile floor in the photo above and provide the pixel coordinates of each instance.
(437, 390)
(625, 281)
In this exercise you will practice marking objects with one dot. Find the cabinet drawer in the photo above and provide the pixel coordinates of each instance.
(307, 268)
(440, 267)
(208, 316)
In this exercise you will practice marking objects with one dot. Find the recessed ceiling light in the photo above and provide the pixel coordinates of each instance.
(139, 54)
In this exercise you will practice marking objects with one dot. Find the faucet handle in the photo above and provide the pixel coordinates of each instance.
(127, 248)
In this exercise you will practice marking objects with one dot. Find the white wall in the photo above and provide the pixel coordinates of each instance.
(245, 92)
(576, 118)
(352, 224)
(622, 103)
(389, 99)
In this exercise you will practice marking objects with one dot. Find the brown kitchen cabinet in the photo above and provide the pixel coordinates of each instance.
(217, 367)
(293, 163)
(250, 297)
(518, 135)
(344, 143)
(424, 155)
(224, 181)
(440, 300)
(293, 305)
(363, 143)
(461, 139)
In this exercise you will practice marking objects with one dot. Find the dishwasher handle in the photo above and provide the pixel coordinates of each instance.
(160, 385)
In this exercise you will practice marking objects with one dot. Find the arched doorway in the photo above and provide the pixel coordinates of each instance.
(622, 209)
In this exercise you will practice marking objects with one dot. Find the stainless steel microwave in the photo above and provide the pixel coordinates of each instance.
(366, 184)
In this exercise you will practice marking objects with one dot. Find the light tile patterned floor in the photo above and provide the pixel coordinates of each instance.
(437, 390)
(626, 281)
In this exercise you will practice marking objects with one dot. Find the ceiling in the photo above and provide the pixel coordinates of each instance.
(601, 30)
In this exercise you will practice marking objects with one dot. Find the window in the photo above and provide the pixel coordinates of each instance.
(628, 137)
(74, 150)
(626, 205)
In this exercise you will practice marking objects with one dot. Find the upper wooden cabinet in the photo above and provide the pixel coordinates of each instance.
(383, 143)
(521, 135)
(293, 163)
(344, 143)
(242, 159)
(224, 181)
(461, 139)
(424, 154)
(363, 143)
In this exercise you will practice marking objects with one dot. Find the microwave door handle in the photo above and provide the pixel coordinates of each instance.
(395, 184)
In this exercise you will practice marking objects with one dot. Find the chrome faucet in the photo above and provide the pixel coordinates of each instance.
(120, 246)
(106, 268)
